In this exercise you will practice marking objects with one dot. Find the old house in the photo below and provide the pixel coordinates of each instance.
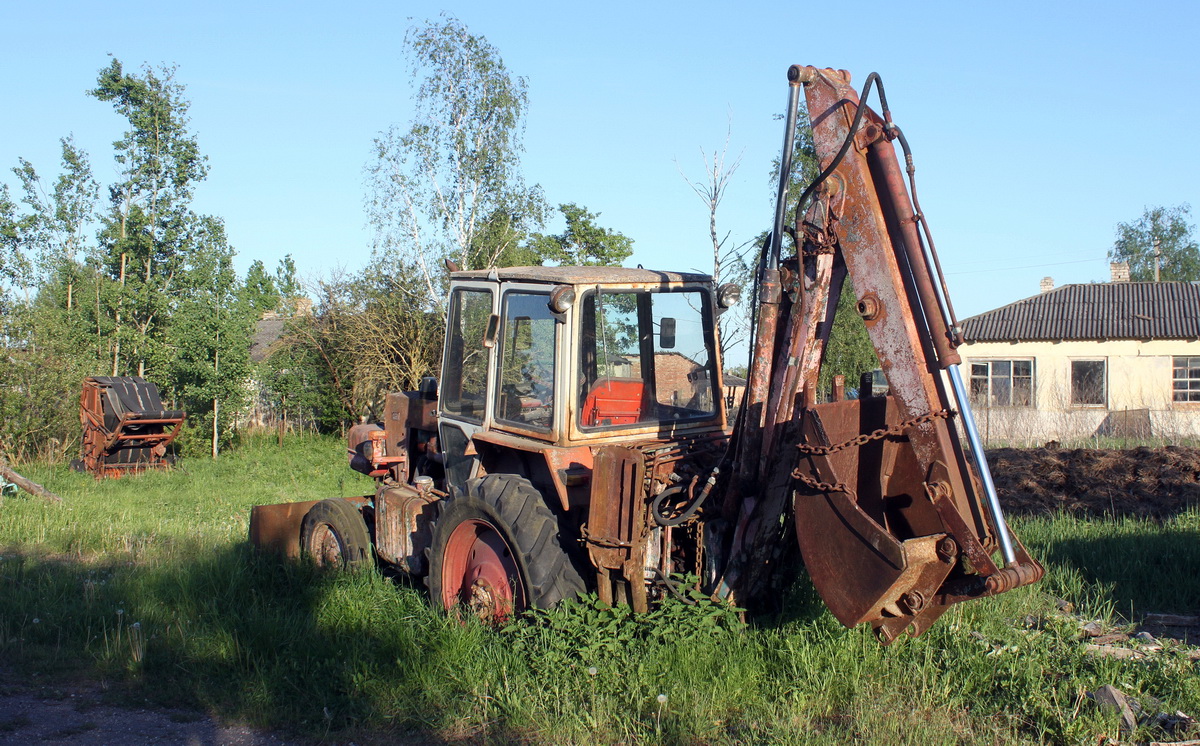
(1117, 358)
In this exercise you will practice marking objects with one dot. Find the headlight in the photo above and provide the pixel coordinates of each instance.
(562, 298)
(728, 295)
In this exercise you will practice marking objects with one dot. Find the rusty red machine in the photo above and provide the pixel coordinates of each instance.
(578, 439)
(126, 428)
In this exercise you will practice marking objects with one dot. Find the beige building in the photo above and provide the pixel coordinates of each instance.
(1118, 358)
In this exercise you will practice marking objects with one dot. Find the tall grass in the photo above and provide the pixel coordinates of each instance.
(148, 582)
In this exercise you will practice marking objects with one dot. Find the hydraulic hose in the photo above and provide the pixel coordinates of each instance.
(656, 505)
(872, 79)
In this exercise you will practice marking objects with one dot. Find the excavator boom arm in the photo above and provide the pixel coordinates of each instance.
(896, 518)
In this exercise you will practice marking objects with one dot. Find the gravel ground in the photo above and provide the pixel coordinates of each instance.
(78, 714)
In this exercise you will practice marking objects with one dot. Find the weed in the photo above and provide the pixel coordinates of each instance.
(586, 632)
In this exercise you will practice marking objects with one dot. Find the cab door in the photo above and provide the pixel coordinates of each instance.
(468, 369)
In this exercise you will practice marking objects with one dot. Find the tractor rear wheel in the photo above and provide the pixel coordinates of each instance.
(334, 534)
(496, 551)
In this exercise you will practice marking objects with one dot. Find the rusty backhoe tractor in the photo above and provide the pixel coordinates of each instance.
(579, 441)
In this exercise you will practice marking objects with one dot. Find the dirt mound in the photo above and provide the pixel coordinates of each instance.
(1148, 482)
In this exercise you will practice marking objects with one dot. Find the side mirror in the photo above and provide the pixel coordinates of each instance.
(522, 333)
(489, 334)
(666, 333)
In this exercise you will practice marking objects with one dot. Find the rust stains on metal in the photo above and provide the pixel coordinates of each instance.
(126, 428)
(616, 524)
(276, 528)
(404, 517)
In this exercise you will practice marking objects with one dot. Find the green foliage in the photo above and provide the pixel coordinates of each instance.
(40, 372)
(587, 632)
(259, 288)
(48, 338)
(210, 327)
(1180, 260)
(371, 334)
(152, 294)
(14, 268)
(296, 386)
(583, 242)
(53, 228)
(148, 233)
(849, 351)
(277, 292)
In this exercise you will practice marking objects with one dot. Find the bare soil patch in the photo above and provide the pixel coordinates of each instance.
(1144, 482)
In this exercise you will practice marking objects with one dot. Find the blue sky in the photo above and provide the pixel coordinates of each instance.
(1036, 127)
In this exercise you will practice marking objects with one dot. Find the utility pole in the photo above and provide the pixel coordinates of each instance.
(1157, 257)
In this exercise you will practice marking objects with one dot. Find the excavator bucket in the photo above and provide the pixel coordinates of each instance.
(893, 504)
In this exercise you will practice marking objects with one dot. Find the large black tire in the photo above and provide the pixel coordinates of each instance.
(334, 534)
(497, 550)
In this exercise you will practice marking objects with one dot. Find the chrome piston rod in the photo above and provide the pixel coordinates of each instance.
(985, 472)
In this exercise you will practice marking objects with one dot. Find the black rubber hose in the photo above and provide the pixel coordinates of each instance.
(672, 587)
(872, 79)
(656, 507)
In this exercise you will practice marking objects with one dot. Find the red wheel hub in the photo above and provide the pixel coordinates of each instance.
(326, 547)
(480, 572)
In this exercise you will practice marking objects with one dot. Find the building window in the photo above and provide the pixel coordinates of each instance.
(1088, 384)
(1002, 383)
(1185, 385)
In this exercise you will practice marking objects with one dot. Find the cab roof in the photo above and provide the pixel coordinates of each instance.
(580, 275)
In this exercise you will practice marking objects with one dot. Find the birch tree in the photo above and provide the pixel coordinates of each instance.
(453, 174)
(728, 258)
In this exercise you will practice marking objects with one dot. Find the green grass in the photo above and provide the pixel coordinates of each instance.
(148, 582)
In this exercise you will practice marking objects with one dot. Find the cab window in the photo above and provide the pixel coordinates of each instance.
(464, 372)
(646, 357)
(527, 361)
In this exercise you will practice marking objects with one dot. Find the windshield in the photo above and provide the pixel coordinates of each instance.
(645, 358)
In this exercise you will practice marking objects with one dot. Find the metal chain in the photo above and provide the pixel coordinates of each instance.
(883, 432)
(799, 474)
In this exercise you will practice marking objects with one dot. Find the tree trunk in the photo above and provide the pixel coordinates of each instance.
(216, 402)
(32, 488)
(117, 330)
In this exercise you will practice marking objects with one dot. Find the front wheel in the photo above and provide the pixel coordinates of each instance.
(496, 551)
(334, 534)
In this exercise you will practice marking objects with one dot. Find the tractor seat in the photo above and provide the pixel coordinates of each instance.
(614, 401)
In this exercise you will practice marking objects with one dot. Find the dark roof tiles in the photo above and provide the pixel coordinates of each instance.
(1099, 311)
(266, 333)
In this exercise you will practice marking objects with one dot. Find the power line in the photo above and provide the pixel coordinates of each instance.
(1026, 266)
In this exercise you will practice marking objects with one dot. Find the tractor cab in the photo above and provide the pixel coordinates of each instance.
(573, 357)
